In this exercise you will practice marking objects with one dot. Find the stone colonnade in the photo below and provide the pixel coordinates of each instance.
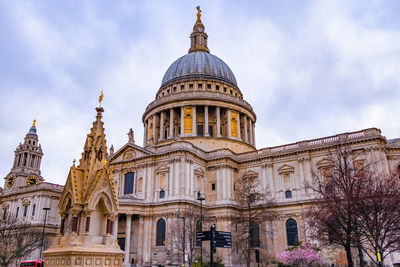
(199, 121)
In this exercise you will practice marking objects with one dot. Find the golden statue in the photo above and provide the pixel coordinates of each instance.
(198, 13)
(34, 123)
(101, 97)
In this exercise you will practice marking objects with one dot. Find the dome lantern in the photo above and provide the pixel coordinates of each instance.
(198, 38)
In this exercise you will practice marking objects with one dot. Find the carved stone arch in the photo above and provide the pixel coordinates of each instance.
(162, 169)
(65, 204)
(250, 174)
(107, 200)
(26, 201)
(324, 163)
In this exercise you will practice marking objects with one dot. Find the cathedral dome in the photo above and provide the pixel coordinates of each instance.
(199, 64)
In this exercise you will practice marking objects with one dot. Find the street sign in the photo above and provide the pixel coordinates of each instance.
(222, 239)
(203, 236)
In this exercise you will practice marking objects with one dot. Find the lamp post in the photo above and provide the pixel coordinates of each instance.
(201, 198)
(44, 228)
(184, 236)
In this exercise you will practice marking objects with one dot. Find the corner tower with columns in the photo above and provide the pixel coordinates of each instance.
(88, 206)
(199, 101)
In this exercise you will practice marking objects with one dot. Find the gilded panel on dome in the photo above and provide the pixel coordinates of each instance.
(188, 120)
(150, 127)
(234, 124)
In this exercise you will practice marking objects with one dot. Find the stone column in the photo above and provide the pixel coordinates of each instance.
(155, 128)
(254, 133)
(127, 239)
(115, 228)
(206, 133)
(194, 132)
(246, 137)
(145, 134)
(171, 123)
(228, 115)
(218, 122)
(239, 126)
(162, 125)
(251, 132)
(182, 126)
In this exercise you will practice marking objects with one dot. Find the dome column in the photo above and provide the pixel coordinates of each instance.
(228, 113)
(218, 122)
(239, 135)
(182, 126)
(145, 133)
(206, 133)
(246, 137)
(155, 128)
(171, 123)
(251, 132)
(161, 125)
(194, 132)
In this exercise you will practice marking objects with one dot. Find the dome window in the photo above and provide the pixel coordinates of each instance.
(200, 86)
(225, 89)
(209, 86)
(174, 89)
(217, 87)
(191, 86)
(231, 92)
(168, 91)
(182, 87)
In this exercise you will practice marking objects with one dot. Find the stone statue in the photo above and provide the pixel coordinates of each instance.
(131, 136)
(111, 150)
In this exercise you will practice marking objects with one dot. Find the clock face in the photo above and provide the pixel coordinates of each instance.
(32, 179)
(10, 180)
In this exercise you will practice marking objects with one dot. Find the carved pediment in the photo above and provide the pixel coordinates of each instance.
(199, 172)
(286, 169)
(324, 163)
(162, 169)
(250, 173)
(129, 154)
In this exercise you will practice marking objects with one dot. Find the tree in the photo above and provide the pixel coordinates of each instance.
(183, 235)
(338, 190)
(379, 214)
(252, 202)
(301, 255)
(17, 239)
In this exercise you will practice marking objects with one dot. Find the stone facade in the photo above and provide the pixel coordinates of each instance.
(199, 137)
(26, 193)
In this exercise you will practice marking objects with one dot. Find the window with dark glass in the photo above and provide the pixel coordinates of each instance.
(33, 209)
(121, 242)
(212, 186)
(25, 210)
(288, 194)
(292, 232)
(200, 130)
(191, 86)
(16, 215)
(208, 86)
(217, 87)
(5, 213)
(162, 194)
(210, 130)
(200, 86)
(128, 186)
(254, 235)
(160, 233)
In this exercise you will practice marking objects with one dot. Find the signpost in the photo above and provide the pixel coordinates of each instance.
(218, 239)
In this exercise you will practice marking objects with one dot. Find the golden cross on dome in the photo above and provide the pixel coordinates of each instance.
(101, 97)
(198, 13)
(34, 123)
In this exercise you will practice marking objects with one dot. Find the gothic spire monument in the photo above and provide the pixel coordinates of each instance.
(88, 207)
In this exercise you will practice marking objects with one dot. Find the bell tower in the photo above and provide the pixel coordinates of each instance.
(26, 167)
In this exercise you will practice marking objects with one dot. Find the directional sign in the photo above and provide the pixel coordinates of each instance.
(203, 236)
(222, 239)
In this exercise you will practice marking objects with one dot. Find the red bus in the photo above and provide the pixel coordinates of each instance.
(37, 263)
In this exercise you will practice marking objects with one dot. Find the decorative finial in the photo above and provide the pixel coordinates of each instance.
(101, 98)
(198, 13)
(105, 162)
(34, 123)
(73, 163)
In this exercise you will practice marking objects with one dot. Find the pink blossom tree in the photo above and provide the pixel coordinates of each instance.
(306, 255)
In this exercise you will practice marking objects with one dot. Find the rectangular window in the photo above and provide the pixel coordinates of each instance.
(288, 194)
(25, 210)
(217, 87)
(182, 87)
(191, 86)
(33, 209)
(200, 130)
(210, 130)
(16, 215)
(162, 194)
(208, 86)
(213, 186)
(200, 86)
(225, 89)
(121, 243)
(128, 186)
(5, 213)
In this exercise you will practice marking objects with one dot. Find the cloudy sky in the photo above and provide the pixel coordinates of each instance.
(309, 68)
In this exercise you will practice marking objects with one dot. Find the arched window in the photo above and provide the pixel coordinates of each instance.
(162, 193)
(26, 210)
(160, 233)
(288, 194)
(291, 232)
(254, 235)
(33, 209)
(16, 215)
